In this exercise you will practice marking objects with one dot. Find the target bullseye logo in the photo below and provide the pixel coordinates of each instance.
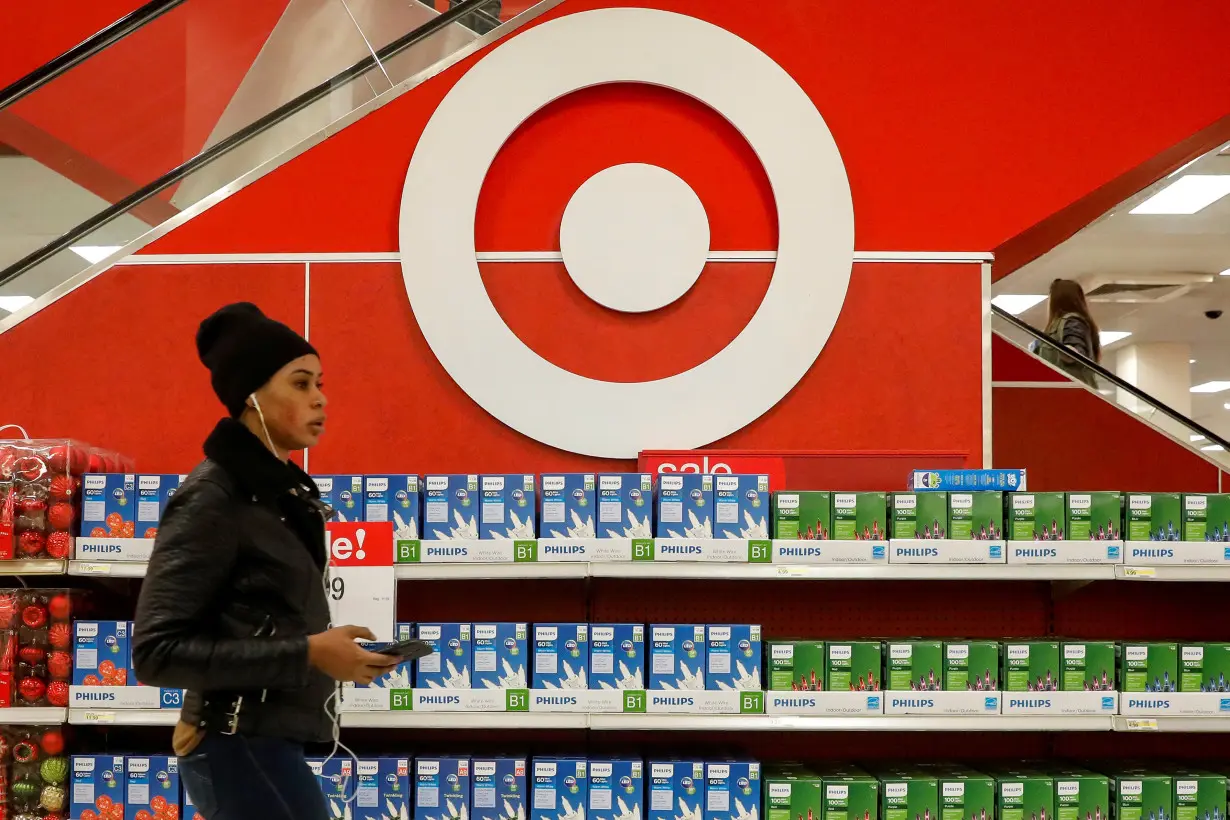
(634, 238)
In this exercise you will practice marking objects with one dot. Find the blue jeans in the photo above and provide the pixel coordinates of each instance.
(232, 777)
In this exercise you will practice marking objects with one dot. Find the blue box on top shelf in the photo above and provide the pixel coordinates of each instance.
(402, 676)
(509, 509)
(499, 791)
(501, 652)
(441, 788)
(153, 494)
(616, 788)
(383, 788)
(344, 493)
(685, 506)
(337, 782)
(567, 505)
(741, 506)
(98, 782)
(450, 506)
(450, 663)
(625, 505)
(677, 656)
(732, 789)
(617, 656)
(101, 649)
(676, 789)
(394, 498)
(151, 782)
(108, 505)
(734, 657)
(561, 656)
(561, 787)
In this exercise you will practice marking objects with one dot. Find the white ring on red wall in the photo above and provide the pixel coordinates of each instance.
(619, 419)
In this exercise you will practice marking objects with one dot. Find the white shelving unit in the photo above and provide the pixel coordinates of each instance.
(36, 566)
(123, 717)
(1171, 724)
(108, 569)
(34, 716)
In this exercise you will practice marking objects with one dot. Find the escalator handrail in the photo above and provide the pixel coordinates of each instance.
(128, 24)
(224, 146)
(1103, 373)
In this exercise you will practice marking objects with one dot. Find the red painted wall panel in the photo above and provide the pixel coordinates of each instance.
(34, 33)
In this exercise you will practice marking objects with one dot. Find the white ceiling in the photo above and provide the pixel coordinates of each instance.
(1185, 252)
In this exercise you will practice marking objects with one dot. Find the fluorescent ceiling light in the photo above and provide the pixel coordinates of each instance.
(1226, 272)
(1186, 195)
(14, 303)
(1211, 387)
(1187, 165)
(1213, 448)
(1016, 303)
(1109, 337)
(1197, 438)
(1191, 361)
(94, 253)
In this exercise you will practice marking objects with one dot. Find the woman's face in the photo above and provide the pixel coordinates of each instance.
(294, 405)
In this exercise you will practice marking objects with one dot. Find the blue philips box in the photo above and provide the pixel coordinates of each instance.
(499, 788)
(734, 656)
(151, 783)
(402, 676)
(567, 505)
(394, 498)
(561, 656)
(344, 493)
(452, 658)
(676, 789)
(741, 506)
(685, 506)
(500, 655)
(337, 782)
(100, 650)
(441, 788)
(560, 788)
(153, 494)
(508, 508)
(108, 503)
(98, 782)
(617, 656)
(450, 506)
(732, 789)
(676, 656)
(383, 789)
(1011, 481)
(616, 788)
(625, 505)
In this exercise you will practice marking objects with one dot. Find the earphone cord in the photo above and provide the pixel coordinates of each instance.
(333, 704)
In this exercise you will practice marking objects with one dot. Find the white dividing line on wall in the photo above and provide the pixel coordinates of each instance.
(887, 257)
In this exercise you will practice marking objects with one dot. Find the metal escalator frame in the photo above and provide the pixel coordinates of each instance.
(1103, 373)
(264, 123)
(128, 24)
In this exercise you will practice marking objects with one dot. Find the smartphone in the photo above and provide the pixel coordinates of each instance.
(408, 650)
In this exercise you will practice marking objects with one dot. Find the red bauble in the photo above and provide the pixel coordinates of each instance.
(57, 458)
(59, 636)
(58, 546)
(57, 693)
(34, 616)
(31, 542)
(61, 515)
(52, 743)
(31, 655)
(32, 689)
(29, 468)
(59, 664)
(31, 506)
(60, 606)
(63, 487)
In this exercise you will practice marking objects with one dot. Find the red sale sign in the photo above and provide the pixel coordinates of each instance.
(357, 544)
(362, 586)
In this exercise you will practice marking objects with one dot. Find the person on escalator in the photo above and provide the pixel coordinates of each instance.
(1069, 324)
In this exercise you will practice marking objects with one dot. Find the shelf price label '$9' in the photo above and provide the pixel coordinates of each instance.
(361, 585)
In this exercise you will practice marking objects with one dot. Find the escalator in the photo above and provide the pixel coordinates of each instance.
(1101, 427)
(183, 99)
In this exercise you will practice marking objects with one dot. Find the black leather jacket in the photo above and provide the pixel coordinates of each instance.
(234, 587)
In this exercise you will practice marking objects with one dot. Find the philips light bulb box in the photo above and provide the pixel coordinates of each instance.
(395, 498)
(382, 790)
(337, 782)
(971, 666)
(508, 506)
(452, 657)
(1204, 667)
(732, 790)
(677, 656)
(625, 505)
(154, 492)
(915, 676)
(1153, 517)
(676, 789)
(499, 788)
(918, 516)
(561, 788)
(102, 653)
(1198, 794)
(450, 508)
(734, 657)
(741, 506)
(1083, 685)
(568, 503)
(441, 788)
(1206, 518)
(616, 788)
(344, 493)
(561, 656)
(1038, 533)
(378, 695)
(1095, 516)
(1031, 666)
(501, 653)
(685, 507)
(151, 786)
(1149, 678)
(98, 783)
(109, 505)
(617, 656)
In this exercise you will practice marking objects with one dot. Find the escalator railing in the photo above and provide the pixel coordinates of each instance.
(1097, 379)
(98, 180)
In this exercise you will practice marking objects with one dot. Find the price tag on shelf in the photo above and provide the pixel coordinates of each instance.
(1141, 724)
(1139, 572)
(98, 717)
(362, 586)
(93, 569)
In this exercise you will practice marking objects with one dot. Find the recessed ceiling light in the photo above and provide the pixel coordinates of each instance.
(1016, 303)
(1109, 337)
(1191, 361)
(1210, 387)
(14, 303)
(94, 253)
(1197, 438)
(1186, 195)
(1226, 272)
(1213, 448)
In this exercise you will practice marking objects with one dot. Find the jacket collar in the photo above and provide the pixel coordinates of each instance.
(252, 466)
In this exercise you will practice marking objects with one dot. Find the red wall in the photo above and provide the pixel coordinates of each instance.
(34, 33)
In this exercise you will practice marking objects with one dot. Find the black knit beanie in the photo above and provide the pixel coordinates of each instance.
(243, 348)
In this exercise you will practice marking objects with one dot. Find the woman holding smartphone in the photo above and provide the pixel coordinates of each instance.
(233, 607)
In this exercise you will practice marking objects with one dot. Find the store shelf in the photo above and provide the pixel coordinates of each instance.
(1171, 724)
(123, 717)
(32, 567)
(464, 720)
(486, 571)
(107, 569)
(34, 716)
(1174, 572)
(885, 723)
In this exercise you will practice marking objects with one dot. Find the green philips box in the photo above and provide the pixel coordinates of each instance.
(790, 794)
(803, 516)
(1081, 794)
(1031, 666)
(966, 795)
(854, 666)
(1154, 517)
(909, 795)
(1198, 795)
(850, 794)
(796, 666)
(1088, 666)
(919, 515)
(1149, 667)
(1095, 516)
(971, 665)
(1206, 517)
(1026, 795)
(1204, 667)
(915, 665)
(1141, 795)
(1036, 516)
(860, 516)
(976, 516)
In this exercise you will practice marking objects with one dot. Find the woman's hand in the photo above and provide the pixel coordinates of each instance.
(337, 655)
